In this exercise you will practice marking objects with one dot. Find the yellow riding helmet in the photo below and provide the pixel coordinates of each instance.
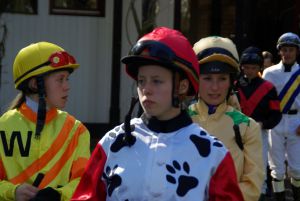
(39, 58)
(217, 54)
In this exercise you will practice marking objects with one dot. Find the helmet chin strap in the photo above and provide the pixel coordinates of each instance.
(176, 100)
(41, 113)
(129, 139)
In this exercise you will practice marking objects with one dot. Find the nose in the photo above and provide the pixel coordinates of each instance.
(215, 85)
(147, 89)
(66, 85)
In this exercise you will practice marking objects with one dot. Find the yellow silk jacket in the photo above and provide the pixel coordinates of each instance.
(60, 153)
(249, 161)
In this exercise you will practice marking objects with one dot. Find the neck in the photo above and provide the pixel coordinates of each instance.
(211, 108)
(166, 126)
(32, 104)
(288, 67)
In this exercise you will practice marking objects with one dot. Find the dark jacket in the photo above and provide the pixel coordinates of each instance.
(259, 100)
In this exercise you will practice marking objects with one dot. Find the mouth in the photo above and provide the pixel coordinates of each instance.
(148, 103)
(214, 96)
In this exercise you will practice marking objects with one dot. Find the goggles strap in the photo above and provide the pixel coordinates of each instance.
(41, 114)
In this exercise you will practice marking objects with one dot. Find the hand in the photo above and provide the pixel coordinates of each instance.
(47, 194)
(298, 131)
(25, 192)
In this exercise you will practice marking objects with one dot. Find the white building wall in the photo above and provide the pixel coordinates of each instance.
(165, 17)
(89, 40)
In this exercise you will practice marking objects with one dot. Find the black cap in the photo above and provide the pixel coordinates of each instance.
(252, 55)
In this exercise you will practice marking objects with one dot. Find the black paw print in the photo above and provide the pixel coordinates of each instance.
(217, 143)
(203, 144)
(185, 182)
(121, 141)
(112, 179)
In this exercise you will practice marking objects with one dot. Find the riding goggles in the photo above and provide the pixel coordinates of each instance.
(158, 51)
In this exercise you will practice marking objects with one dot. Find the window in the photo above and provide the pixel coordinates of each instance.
(78, 7)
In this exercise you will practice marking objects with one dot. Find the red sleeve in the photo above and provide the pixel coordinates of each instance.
(2, 170)
(91, 187)
(223, 184)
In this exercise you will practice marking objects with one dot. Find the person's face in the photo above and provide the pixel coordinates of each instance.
(154, 86)
(213, 88)
(57, 89)
(251, 70)
(267, 62)
(288, 54)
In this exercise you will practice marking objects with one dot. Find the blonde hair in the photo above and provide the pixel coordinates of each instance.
(17, 101)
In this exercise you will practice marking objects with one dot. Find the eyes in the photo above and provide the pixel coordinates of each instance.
(215, 77)
(59, 78)
(251, 68)
(155, 81)
(288, 49)
(62, 79)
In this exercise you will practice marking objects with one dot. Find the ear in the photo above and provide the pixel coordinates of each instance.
(32, 84)
(183, 87)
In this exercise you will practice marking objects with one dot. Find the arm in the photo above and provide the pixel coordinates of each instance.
(74, 158)
(91, 187)
(10, 192)
(7, 189)
(223, 184)
(82, 154)
(253, 172)
(274, 114)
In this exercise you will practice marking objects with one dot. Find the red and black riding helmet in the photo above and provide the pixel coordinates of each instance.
(165, 47)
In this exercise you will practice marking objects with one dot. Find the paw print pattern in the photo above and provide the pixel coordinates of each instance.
(120, 141)
(217, 143)
(203, 145)
(112, 134)
(184, 182)
(113, 180)
(203, 133)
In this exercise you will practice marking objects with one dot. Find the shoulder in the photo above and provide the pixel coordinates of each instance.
(70, 120)
(192, 109)
(272, 70)
(295, 68)
(267, 84)
(10, 115)
(203, 140)
(68, 117)
(237, 116)
(240, 117)
(207, 147)
(135, 124)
